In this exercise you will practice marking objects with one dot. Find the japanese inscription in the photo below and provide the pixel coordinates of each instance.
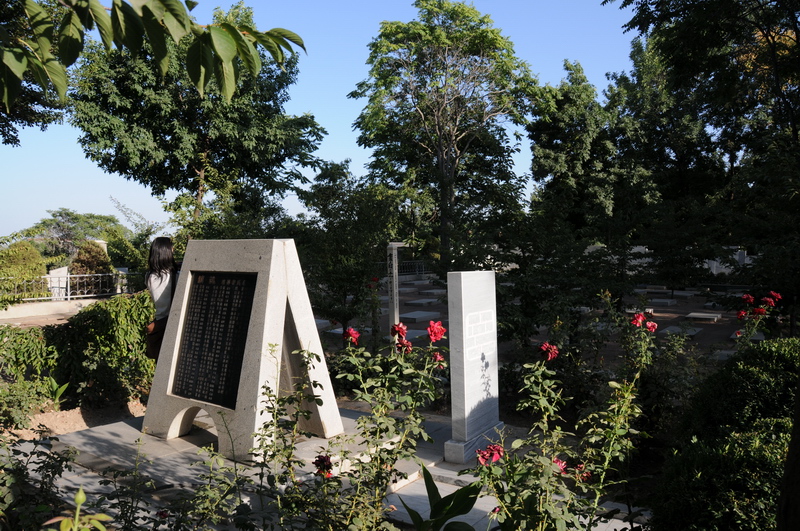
(214, 336)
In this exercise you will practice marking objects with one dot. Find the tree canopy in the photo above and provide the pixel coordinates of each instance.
(215, 50)
(152, 127)
(439, 90)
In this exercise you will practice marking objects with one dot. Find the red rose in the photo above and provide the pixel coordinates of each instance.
(436, 331)
(550, 352)
(404, 345)
(748, 298)
(351, 335)
(759, 311)
(492, 454)
(399, 330)
(638, 319)
(774, 295)
(651, 326)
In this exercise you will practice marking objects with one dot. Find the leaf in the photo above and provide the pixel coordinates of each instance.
(40, 23)
(15, 60)
(270, 45)
(457, 503)
(431, 488)
(223, 42)
(225, 74)
(176, 18)
(199, 64)
(10, 86)
(174, 27)
(290, 36)
(247, 52)
(70, 38)
(158, 41)
(416, 518)
(127, 25)
(103, 21)
(57, 75)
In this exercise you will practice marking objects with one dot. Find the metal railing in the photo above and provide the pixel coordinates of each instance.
(70, 287)
(408, 267)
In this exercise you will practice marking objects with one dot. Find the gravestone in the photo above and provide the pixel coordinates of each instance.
(239, 314)
(473, 363)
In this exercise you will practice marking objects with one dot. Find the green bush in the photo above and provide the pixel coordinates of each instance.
(731, 482)
(101, 350)
(17, 402)
(24, 353)
(90, 259)
(759, 382)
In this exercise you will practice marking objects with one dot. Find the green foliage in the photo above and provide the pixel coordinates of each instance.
(91, 259)
(59, 236)
(553, 479)
(438, 90)
(29, 491)
(101, 350)
(344, 241)
(131, 248)
(19, 400)
(730, 482)
(99, 353)
(22, 259)
(215, 48)
(78, 521)
(36, 107)
(25, 353)
(21, 269)
(757, 383)
(445, 508)
(151, 126)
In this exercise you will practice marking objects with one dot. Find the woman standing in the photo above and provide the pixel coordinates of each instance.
(160, 280)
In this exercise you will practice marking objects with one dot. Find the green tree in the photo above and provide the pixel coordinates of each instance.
(22, 259)
(587, 183)
(91, 259)
(344, 242)
(439, 90)
(35, 107)
(59, 236)
(662, 131)
(131, 247)
(743, 60)
(157, 130)
(214, 49)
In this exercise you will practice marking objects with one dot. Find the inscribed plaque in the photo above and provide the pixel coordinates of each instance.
(214, 336)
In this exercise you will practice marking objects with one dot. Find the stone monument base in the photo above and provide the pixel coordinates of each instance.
(461, 452)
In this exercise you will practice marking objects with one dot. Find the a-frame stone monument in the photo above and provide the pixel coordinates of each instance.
(240, 311)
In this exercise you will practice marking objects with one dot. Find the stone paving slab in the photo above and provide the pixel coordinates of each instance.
(690, 332)
(419, 316)
(663, 302)
(422, 302)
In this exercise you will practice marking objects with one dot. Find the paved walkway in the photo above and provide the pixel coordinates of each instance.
(171, 464)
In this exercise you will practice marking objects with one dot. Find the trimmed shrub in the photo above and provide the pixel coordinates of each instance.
(758, 382)
(90, 259)
(731, 482)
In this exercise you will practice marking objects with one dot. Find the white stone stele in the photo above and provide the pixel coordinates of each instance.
(281, 322)
(473, 364)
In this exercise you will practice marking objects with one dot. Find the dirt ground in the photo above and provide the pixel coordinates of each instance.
(70, 420)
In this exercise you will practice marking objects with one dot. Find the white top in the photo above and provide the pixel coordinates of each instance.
(160, 288)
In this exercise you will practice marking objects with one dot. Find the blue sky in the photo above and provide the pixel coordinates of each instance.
(48, 171)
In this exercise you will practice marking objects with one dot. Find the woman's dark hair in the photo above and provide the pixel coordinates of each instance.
(161, 258)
